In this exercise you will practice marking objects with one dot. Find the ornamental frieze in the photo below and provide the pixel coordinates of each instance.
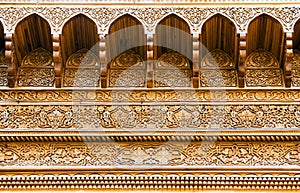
(172, 154)
(154, 95)
(153, 117)
(148, 16)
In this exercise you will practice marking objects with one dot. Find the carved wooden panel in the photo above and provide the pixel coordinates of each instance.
(148, 116)
(172, 154)
(218, 70)
(3, 69)
(36, 69)
(127, 70)
(296, 69)
(172, 69)
(263, 69)
(82, 70)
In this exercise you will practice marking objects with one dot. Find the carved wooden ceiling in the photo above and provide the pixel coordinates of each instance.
(147, 98)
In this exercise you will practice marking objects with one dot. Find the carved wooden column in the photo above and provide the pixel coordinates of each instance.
(58, 65)
(103, 61)
(150, 61)
(12, 66)
(242, 59)
(288, 58)
(196, 62)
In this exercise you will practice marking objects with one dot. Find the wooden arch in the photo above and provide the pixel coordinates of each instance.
(31, 33)
(296, 35)
(218, 32)
(173, 33)
(265, 32)
(78, 33)
(126, 33)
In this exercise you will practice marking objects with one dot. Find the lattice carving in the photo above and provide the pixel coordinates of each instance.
(127, 78)
(149, 17)
(261, 59)
(295, 60)
(135, 116)
(127, 70)
(82, 70)
(36, 69)
(3, 70)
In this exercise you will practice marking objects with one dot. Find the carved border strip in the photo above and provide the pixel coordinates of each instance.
(152, 182)
(170, 155)
(158, 136)
(153, 95)
(148, 117)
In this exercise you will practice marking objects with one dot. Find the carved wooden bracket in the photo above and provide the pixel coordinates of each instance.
(58, 66)
(103, 61)
(196, 63)
(10, 60)
(150, 60)
(287, 60)
(242, 59)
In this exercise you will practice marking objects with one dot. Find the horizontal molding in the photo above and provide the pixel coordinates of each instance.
(171, 155)
(152, 182)
(129, 118)
(150, 136)
(133, 96)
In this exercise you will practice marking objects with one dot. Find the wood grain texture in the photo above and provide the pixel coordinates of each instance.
(31, 33)
(296, 36)
(79, 32)
(266, 33)
(126, 33)
(219, 33)
(176, 36)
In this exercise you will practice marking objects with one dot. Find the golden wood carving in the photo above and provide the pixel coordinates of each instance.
(161, 139)
(149, 116)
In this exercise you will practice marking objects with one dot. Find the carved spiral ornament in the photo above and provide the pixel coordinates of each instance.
(127, 59)
(37, 58)
(217, 58)
(262, 58)
(173, 59)
(82, 58)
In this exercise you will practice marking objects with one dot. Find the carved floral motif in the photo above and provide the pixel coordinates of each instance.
(263, 78)
(261, 58)
(168, 154)
(37, 58)
(218, 78)
(35, 77)
(134, 116)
